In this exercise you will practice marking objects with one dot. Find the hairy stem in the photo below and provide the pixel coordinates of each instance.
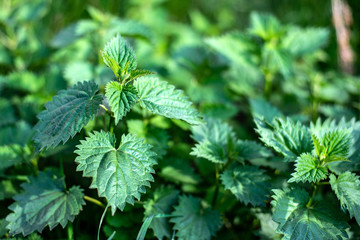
(95, 201)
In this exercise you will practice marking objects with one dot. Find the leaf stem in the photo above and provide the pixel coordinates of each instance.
(95, 201)
(101, 221)
(216, 193)
(111, 124)
(312, 195)
(70, 231)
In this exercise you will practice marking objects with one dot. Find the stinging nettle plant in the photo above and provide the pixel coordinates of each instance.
(120, 168)
(325, 154)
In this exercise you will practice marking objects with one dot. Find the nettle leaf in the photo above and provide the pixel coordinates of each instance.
(67, 114)
(44, 202)
(263, 109)
(119, 174)
(308, 168)
(297, 221)
(286, 137)
(248, 183)
(250, 150)
(265, 26)
(305, 41)
(347, 189)
(119, 56)
(336, 144)
(215, 140)
(319, 129)
(194, 222)
(121, 99)
(163, 201)
(161, 98)
(139, 73)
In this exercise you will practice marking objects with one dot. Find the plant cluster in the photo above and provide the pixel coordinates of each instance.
(197, 136)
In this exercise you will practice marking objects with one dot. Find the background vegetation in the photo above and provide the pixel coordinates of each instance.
(236, 60)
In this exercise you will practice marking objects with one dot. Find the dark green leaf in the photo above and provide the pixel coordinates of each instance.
(66, 114)
(44, 202)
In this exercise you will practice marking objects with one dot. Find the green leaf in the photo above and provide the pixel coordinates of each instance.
(10, 155)
(119, 174)
(139, 73)
(215, 140)
(347, 190)
(121, 99)
(248, 183)
(250, 150)
(277, 60)
(194, 222)
(129, 28)
(118, 55)
(265, 26)
(308, 168)
(298, 222)
(66, 114)
(336, 144)
(44, 202)
(260, 108)
(304, 41)
(286, 137)
(78, 70)
(161, 98)
(163, 201)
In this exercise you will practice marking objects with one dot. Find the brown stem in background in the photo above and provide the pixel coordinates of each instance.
(342, 19)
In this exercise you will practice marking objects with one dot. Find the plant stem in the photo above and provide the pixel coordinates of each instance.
(217, 175)
(112, 124)
(70, 231)
(312, 195)
(95, 201)
(101, 221)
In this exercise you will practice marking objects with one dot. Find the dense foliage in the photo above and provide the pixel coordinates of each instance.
(129, 121)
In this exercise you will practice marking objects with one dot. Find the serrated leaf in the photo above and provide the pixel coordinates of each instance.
(121, 99)
(44, 202)
(263, 109)
(193, 222)
(308, 168)
(347, 189)
(161, 98)
(250, 150)
(298, 222)
(336, 143)
(119, 174)
(66, 114)
(118, 55)
(163, 201)
(248, 183)
(215, 140)
(139, 73)
(286, 137)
